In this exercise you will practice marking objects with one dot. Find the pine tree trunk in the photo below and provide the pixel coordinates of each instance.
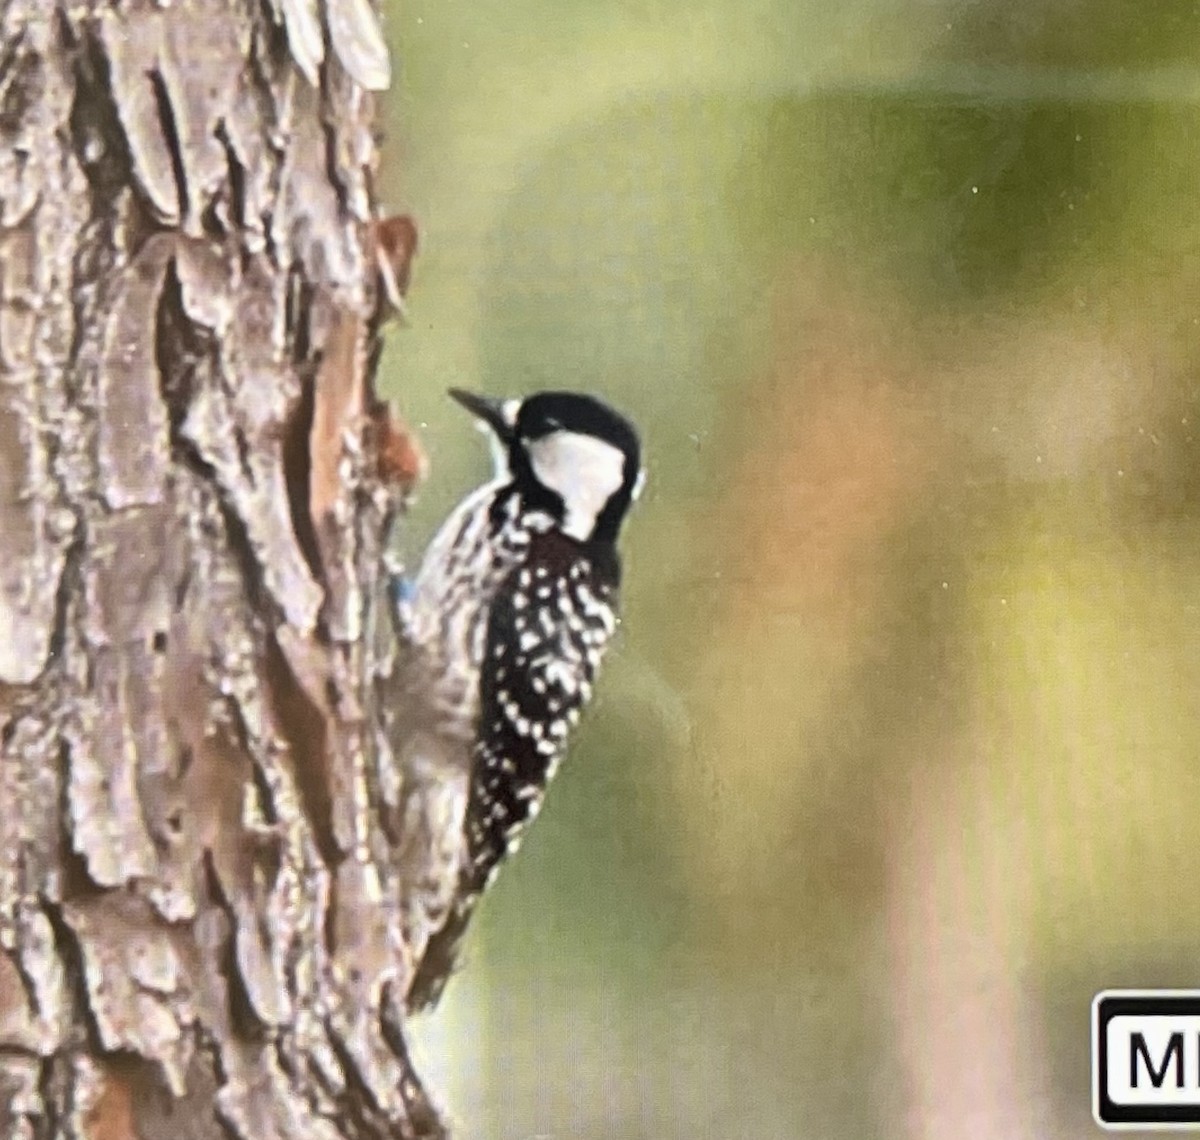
(195, 486)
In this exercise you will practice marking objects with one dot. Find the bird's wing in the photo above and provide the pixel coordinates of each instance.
(545, 639)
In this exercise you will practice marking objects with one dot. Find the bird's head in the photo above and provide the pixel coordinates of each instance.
(568, 452)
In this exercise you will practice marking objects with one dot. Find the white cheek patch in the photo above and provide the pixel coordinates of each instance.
(583, 471)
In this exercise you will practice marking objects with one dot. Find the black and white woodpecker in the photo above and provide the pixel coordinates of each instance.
(503, 630)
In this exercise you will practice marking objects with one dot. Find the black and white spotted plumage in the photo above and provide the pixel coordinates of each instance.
(513, 608)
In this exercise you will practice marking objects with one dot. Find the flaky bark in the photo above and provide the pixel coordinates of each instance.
(195, 484)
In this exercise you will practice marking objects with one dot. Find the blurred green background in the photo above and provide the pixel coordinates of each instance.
(895, 763)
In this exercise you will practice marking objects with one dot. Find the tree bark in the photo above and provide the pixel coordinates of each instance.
(196, 483)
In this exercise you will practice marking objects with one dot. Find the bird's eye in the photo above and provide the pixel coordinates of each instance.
(553, 424)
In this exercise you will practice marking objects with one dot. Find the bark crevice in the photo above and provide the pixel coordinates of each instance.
(197, 933)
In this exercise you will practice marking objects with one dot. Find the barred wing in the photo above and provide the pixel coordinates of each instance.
(546, 635)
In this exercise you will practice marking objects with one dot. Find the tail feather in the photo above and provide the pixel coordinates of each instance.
(440, 958)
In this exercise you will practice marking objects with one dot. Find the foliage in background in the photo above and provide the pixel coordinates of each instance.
(904, 297)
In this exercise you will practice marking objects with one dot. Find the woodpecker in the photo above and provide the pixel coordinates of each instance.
(503, 630)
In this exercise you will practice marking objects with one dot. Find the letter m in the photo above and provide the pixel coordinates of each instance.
(1174, 1051)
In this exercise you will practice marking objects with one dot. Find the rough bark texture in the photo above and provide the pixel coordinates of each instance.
(195, 931)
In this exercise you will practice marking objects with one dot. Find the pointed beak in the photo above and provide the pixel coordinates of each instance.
(491, 412)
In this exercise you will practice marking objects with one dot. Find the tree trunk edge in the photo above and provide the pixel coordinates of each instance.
(196, 486)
